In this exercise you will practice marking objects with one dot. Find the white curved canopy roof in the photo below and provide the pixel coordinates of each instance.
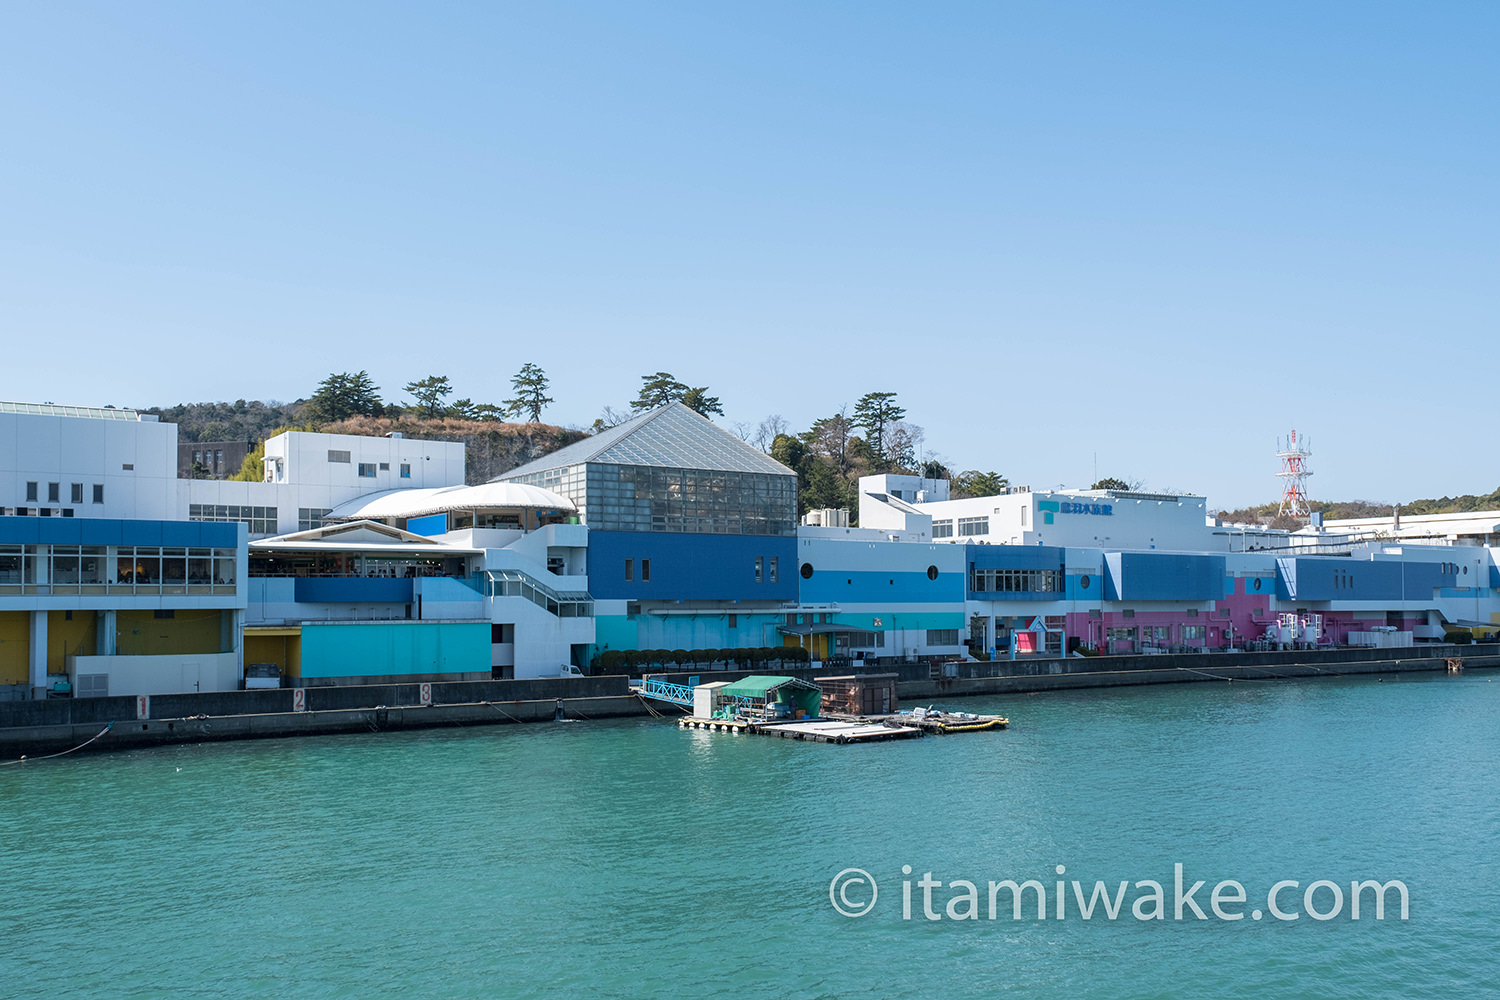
(417, 503)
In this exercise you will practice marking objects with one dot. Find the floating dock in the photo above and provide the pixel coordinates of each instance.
(814, 730)
(937, 723)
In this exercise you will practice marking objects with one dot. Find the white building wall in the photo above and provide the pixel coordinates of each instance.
(134, 460)
(300, 476)
(1137, 524)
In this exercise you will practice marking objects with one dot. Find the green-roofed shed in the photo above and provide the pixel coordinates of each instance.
(766, 691)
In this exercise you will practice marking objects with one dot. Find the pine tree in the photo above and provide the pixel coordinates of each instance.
(530, 385)
(699, 400)
(875, 412)
(659, 390)
(430, 393)
(345, 394)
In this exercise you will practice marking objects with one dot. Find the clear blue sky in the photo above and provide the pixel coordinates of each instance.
(1165, 233)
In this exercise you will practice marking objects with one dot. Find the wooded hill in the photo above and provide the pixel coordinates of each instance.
(1339, 509)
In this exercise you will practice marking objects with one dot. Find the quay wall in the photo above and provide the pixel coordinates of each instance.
(35, 728)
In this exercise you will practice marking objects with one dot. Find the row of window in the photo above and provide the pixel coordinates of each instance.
(262, 520)
(99, 565)
(1154, 633)
(645, 570)
(690, 501)
(309, 518)
(1044, 581)
(973, 526)
(942, 529)
(54, 492)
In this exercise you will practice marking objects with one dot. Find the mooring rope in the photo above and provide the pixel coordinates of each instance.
(49, 756)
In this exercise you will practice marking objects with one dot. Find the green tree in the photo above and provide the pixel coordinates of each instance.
(934, 469)
(345, 394)
(699, 400)
(430, 393)
(463, 409)
(659, 390)
(253, 468)
(1110, 484)
(530, 386)
(789, 452)
(876, 412)
(831, 437)
(977, 484)
(488, 412)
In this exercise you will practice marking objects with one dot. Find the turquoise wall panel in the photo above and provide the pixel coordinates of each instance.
(382, 649)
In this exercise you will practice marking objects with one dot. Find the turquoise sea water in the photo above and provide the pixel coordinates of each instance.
(630, 858)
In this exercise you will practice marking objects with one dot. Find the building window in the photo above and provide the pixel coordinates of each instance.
(1016, 581)
(341, 457)
(218, 458)
(262, 520)
(76, 493)
(773, 569)
(645, 570)
(198, 456)
(309, 518)
(385, 466)
(98, 493)
(807, 571)
(1192, 632)
(629, 569)
(632, 608)
(128, 467)
(54, 492)
(367, 470)
(164, 613)
(405, 470)
(760, 563)
(932, 572)
(974, 526)
(942, 637)
(942, 529)
(734, 621)
(1023, 515)
(31, 493)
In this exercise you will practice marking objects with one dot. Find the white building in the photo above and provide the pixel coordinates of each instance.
(84, 461)
(308, 474)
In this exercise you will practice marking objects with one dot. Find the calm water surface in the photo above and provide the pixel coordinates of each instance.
(629, 858)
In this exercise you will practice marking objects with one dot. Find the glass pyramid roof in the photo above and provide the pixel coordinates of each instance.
(672, 437)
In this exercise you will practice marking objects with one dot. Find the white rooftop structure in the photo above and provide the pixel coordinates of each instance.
(358, 536)
(1480, 527)
(91, 412)
(420, 503)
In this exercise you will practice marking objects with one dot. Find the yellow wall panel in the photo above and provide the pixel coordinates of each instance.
(77, 637)
(141, 633)
(15, 647)
(283, 650)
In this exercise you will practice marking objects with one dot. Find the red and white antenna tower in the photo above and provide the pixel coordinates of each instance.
(1294, 471)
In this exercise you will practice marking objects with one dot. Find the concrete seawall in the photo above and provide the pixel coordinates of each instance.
(39, 728)
(35, 741)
